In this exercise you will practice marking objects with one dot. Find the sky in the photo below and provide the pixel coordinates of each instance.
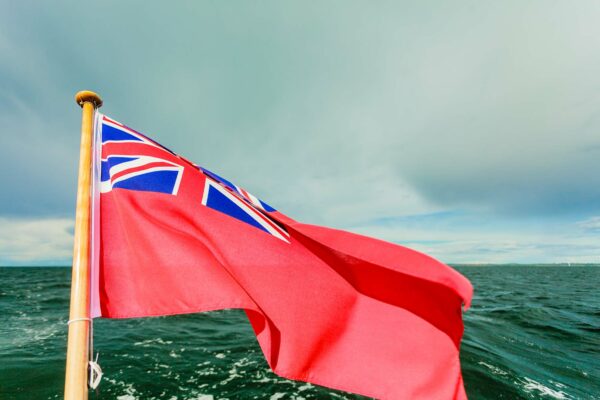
(469, 130)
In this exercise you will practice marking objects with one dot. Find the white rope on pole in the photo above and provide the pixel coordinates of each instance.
(78, 320)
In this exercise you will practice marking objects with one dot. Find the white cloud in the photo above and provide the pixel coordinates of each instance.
(36, 241)
(373, 112)
(591, 224)
(456, 239)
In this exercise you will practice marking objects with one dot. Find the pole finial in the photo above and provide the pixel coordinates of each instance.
(85, 96)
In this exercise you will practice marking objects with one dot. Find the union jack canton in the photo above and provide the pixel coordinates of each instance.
(132, 161)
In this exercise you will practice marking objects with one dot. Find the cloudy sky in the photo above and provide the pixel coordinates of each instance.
(469, 130)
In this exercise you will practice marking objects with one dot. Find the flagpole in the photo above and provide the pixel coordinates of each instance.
(79, 315)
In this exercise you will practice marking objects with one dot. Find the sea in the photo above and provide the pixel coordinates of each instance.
(533, 332)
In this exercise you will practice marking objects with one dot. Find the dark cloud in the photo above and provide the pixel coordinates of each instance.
(331, 113)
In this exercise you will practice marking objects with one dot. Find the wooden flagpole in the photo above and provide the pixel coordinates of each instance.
(79, 316)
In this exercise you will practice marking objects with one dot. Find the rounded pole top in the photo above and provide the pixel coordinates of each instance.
(85, 96)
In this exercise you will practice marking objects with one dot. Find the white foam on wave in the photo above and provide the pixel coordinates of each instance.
(233, 374)
(207, 371)
(557, 384)
(129, 389)
(277, 396)
(263, 379)
(129, 392)
(305, 387)
(149, 342)
(495, 370)
(533, 386)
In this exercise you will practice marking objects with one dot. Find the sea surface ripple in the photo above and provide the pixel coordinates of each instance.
(533, 332)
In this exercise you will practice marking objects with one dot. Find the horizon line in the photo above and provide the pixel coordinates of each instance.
(459, 264)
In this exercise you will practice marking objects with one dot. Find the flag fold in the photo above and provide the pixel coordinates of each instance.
(329, 307)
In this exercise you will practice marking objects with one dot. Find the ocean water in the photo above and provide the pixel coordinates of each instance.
(533, 332)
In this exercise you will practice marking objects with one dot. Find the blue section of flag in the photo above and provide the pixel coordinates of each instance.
(219, 179)
(111, 162)
(233, 188)
(110, 133)
(155, 181)
(218, 201)
(266, 207)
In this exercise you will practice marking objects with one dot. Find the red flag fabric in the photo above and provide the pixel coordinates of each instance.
(328, 307)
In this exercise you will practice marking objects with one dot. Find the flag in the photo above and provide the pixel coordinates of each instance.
(329, 307)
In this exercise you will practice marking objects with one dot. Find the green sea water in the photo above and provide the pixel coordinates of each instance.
(533, 332)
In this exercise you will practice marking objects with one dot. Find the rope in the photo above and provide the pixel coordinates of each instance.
(95, 372)
(78, 319)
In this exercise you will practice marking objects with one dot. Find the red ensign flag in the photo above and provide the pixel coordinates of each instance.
(328, 307)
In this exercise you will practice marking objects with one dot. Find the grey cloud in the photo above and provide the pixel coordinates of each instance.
(591, 225)
(329, 112)
(35, 241)
(38, 167)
